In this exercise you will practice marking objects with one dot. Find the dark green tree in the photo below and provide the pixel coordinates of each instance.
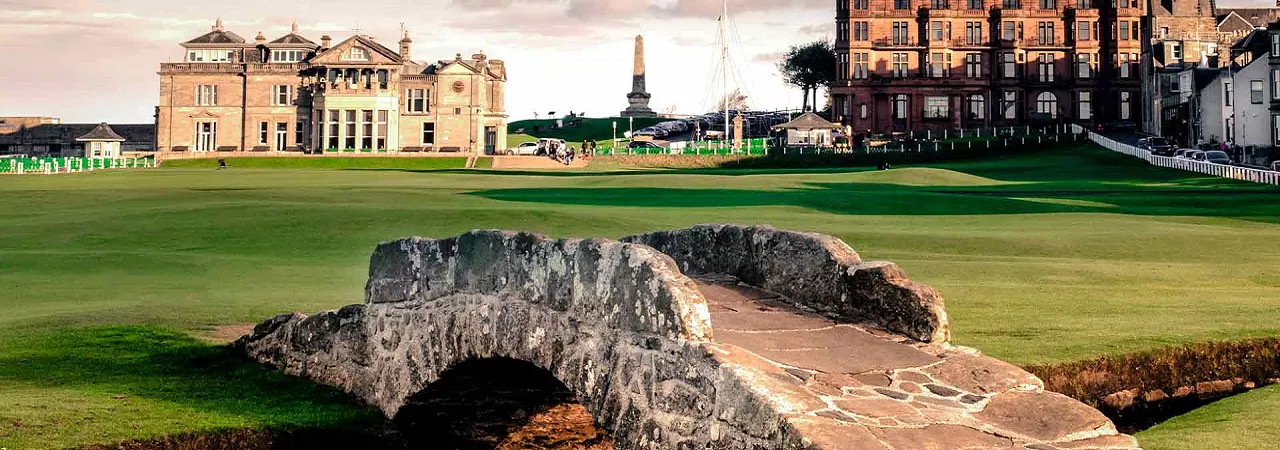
(809, 67)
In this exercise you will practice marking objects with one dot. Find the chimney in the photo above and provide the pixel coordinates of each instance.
(295, 26)
(260, 39)
(407, 46)
(325, 41)
(217, 26)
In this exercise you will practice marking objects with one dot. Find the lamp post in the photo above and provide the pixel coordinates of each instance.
(615, 136)
(631, 126)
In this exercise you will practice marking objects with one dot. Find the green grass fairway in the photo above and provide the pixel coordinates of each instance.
(1244, 422)
(111, 279)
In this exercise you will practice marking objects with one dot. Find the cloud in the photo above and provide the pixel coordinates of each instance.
(769, 58)
(822, 29)
(711, 9)
(607, 9)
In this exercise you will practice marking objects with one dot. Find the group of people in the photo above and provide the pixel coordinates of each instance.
(566, 154)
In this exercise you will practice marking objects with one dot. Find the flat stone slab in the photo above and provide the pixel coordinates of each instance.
(855, 387)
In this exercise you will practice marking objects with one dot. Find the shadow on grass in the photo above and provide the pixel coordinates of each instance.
(161, 364)
(881, 199)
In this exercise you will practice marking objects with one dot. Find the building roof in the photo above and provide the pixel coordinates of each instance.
(807, 121)
(217, 37)
(68, 133)
(367, 42)
(1204, 76)
(1258, 17)
(293, 38)
(102, 132)
(1232, 22)
(1256, 43)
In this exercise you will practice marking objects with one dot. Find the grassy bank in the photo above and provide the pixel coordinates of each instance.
(1042, 257)
(1244, 422)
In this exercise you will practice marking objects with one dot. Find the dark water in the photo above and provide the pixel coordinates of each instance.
(483, 404)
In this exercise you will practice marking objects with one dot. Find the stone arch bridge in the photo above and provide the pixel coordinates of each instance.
(710, 337)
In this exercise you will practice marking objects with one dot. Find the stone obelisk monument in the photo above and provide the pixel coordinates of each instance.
(638, 98)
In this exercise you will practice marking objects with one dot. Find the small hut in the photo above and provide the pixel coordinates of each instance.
(808, 130)
(102, 142)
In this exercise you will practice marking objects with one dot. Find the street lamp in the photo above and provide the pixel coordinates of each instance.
(615, 136)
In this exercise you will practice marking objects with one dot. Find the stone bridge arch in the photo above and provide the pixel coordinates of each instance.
(623, 327)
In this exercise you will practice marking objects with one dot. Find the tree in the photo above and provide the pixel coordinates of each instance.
(737, 100)
(809, 67)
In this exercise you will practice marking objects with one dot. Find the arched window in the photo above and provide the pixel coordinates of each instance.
(1047, 104)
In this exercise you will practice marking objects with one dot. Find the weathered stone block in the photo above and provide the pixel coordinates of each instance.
(817, 271)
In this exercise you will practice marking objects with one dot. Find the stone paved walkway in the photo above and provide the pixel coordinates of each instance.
(854, 387)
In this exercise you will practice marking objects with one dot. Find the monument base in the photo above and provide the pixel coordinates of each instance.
(639, 105)
(637, 112)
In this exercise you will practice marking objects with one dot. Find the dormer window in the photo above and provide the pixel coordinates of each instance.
(356, 54)
(215, 55)
(286, 56)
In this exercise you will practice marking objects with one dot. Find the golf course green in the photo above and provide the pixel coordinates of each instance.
(118, 286)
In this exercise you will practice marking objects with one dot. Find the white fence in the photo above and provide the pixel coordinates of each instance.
(1207, 168)
(57, 165)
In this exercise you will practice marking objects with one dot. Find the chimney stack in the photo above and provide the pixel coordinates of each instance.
(260, 39)
(217, 26)
(295, 26)
(407, 46)
(325, 41)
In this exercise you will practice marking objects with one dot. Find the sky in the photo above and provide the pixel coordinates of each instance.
(93, 61)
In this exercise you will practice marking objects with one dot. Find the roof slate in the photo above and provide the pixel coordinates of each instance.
(293, 38)
(217, 37)
(807, 121)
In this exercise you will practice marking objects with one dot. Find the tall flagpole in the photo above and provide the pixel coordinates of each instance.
(724, 65)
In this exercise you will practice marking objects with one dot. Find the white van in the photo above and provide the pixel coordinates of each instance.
(550, 147)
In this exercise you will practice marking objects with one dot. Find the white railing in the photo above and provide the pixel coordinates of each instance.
(60, 165)
(1207, 168)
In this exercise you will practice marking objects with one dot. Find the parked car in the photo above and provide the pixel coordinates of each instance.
(1217, 157)
(1157, 145)
(643, 145)
(645, 132)
(1194, 155)
(1183, 152)
(525, 149)
(1275, 166)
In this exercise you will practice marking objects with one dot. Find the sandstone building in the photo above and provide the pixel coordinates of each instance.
(291, 94)
(941, 64)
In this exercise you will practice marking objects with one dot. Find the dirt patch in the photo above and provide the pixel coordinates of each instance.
(225, 334)
(1138, 390)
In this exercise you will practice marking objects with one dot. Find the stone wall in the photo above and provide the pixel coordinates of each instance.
(818, 271)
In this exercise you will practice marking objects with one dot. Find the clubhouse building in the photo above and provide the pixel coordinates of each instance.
(291, 94)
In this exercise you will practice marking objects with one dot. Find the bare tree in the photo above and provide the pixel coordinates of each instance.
(737, 100)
